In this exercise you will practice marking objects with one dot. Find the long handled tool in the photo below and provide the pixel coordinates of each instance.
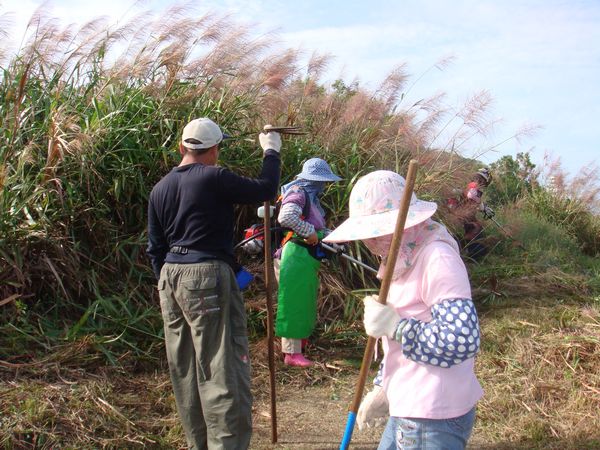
(327, 247)
(348, 257)
(506, 233)
(383, 293)
(269, 275)
(284, 129)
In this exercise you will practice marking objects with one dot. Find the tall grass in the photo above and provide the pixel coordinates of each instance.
(572, 203)
(532, 257)
(90, 118)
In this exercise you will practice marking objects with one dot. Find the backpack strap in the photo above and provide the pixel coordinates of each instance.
(305, 208)
(305, 212)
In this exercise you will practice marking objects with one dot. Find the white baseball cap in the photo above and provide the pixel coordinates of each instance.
(203, 130)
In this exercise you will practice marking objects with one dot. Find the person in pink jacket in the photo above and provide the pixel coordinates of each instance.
(429, 326)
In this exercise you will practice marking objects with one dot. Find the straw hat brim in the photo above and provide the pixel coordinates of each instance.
(380, 224)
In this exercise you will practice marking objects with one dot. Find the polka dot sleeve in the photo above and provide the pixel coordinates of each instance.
(451, 337)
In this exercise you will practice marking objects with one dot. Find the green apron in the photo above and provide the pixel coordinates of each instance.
(298, 289)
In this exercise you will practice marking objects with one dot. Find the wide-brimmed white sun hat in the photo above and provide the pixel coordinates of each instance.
(374, 203)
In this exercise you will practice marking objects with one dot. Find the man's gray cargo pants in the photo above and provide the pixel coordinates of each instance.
(207, 352)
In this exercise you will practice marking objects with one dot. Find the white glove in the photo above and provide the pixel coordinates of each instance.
(380, 320)
(373, 409)
(270, 141)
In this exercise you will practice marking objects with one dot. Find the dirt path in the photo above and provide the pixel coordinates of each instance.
(309, 418)
(314, 417)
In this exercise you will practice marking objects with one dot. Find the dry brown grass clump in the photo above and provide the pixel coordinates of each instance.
(539, 367)
(216, 53)
(103, 408)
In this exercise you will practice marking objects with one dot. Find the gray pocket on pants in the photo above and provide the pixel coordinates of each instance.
(201, 298)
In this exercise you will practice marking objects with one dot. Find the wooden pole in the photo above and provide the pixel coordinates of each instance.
(269, 275)
(383, 293)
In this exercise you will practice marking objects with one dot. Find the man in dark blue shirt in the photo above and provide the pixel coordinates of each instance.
(190, 233)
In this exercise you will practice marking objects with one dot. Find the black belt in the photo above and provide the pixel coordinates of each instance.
(201, 255)
(180, 250)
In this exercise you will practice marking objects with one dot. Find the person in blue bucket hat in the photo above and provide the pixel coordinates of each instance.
(299, 258)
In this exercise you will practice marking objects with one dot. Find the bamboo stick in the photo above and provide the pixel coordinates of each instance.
(383, 293)
(269, 275)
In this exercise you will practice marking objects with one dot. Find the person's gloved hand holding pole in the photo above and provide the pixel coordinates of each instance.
(312, 239)
(488, 212)
(373, 409)
(379, 320)
(270, 140)
(339, 248)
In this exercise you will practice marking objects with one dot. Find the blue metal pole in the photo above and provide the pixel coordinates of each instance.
(348, 431)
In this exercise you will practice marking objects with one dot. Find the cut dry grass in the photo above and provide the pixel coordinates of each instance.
(538, 366)
(104, 408)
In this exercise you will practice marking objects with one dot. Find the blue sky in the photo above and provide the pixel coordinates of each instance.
(540, 60)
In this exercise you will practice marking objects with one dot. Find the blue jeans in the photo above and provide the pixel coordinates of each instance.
(427, 434)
